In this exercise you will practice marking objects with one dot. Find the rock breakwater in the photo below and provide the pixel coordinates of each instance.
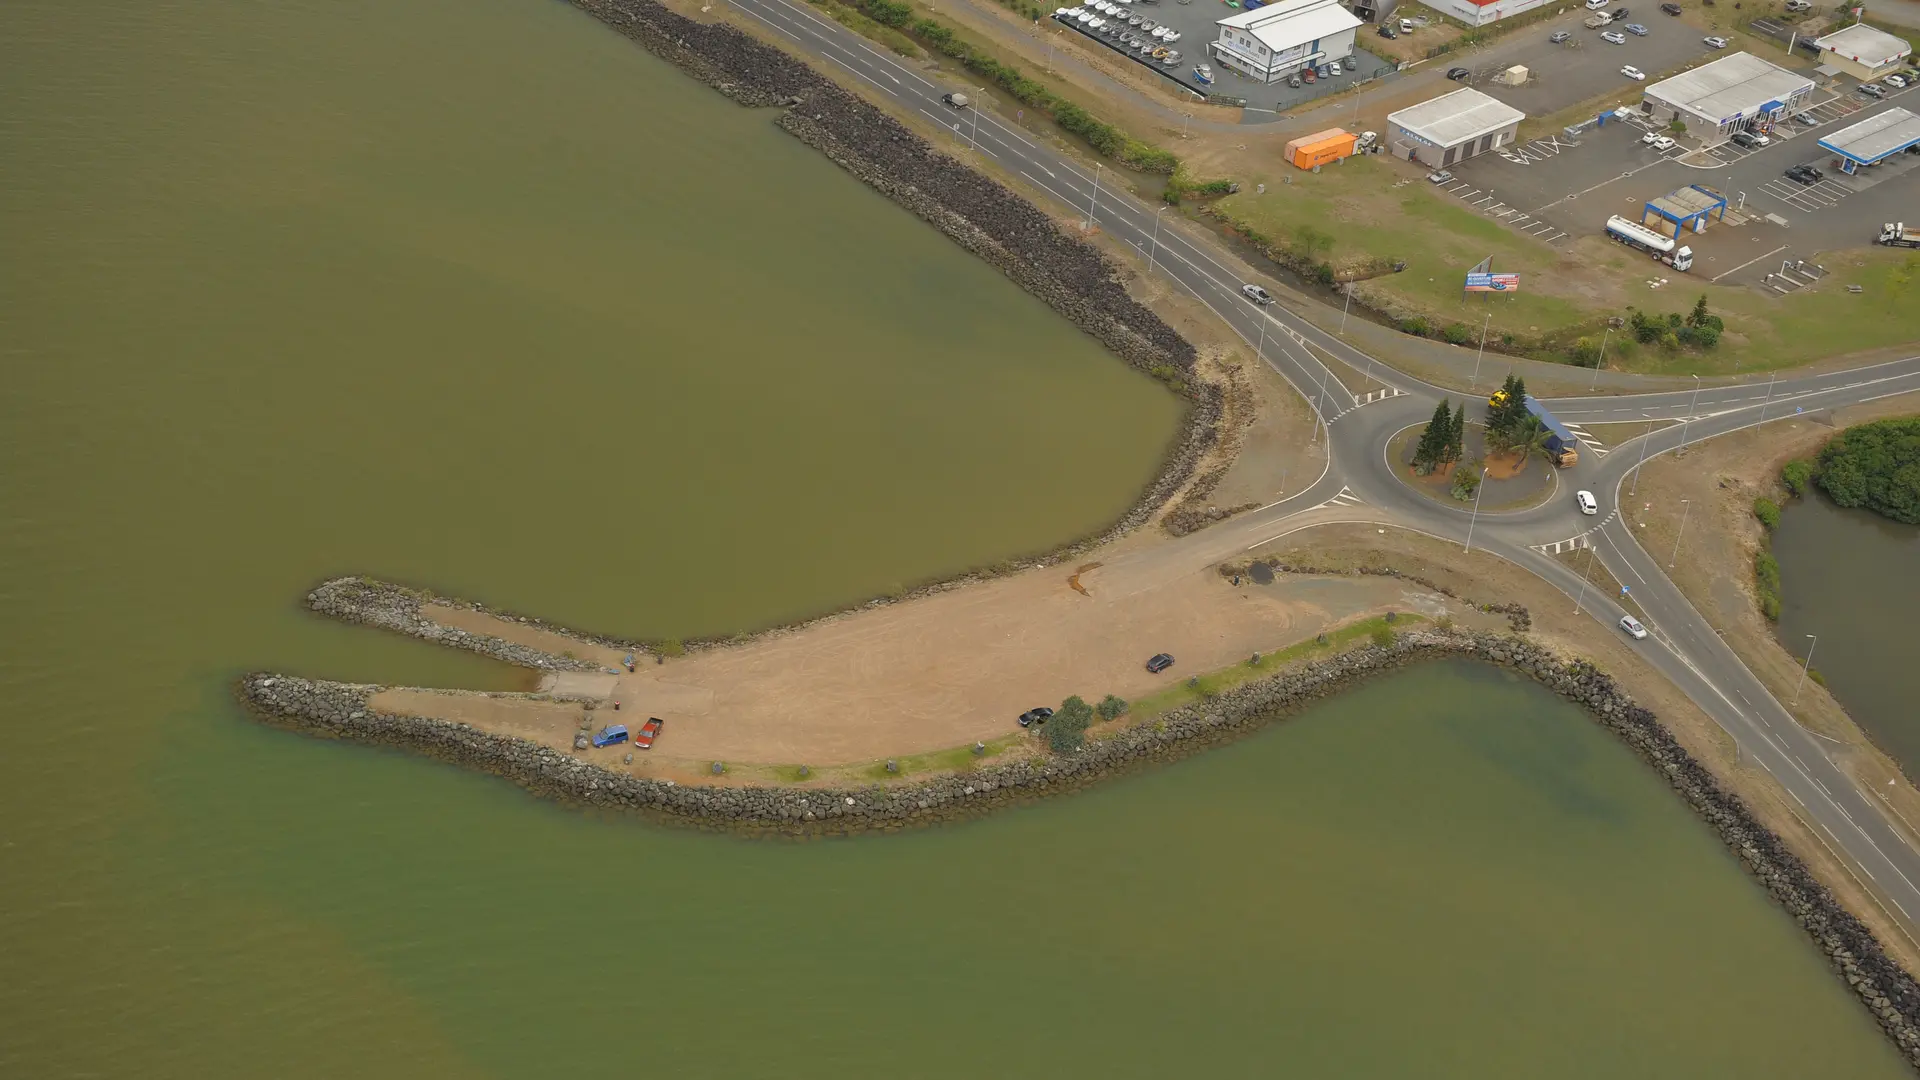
(340, 710)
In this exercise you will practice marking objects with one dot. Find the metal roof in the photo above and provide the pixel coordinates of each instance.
(1452, 119)
(1864, 45)
(1729, 88)
(1290, 23)
(1875, 137)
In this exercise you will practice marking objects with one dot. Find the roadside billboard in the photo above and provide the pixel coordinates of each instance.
(1493, 282)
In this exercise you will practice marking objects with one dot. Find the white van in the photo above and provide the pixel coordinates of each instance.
(1587, 503)
(1596, 5)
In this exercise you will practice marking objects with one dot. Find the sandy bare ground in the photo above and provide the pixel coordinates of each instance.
(942, 671)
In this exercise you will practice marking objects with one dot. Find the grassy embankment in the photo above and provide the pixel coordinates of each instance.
(1363, 214)
(1212, 683)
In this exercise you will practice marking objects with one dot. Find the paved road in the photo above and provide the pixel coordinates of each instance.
(1358, 484)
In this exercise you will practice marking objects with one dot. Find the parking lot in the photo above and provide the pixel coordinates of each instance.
(1586, 66)
(1195, 21)
(1556, 188)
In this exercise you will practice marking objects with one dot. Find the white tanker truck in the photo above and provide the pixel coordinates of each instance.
(1664, 248)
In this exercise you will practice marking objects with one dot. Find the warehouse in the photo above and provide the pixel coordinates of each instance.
(1863, 52)
(1874, 140)
(1731, 94)
(1452, 127)
(1272, 42)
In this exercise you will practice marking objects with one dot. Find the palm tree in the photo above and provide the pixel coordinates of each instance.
(1528, 437)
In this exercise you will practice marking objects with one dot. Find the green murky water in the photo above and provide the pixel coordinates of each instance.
(478, 295)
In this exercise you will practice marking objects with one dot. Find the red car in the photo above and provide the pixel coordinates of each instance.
(648, 731)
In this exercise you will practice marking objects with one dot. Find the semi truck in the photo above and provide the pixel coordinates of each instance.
(1662, 247)
(1896, 234)
(1562, 448)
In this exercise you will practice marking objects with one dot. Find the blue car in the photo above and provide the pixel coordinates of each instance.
(610, 735)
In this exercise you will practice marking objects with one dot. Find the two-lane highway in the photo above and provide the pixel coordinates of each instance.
(1360, 485)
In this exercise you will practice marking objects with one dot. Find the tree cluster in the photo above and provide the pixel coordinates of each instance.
(1877, 466)
(1442, 443)
(1508, 408)
(1066, 729)
(1699, 328)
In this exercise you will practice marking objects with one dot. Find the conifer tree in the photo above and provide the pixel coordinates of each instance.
(1456, 437)
(1429, 452)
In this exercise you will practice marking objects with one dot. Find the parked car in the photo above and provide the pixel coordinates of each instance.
(1333, 68)
(1671, 9)
(1636, 29)
(1633, 628)
(1895, 81)
(1456, 74)
(1294, 82)
(1558, 36)
(1596, 5)
(1613, 38)
(1406, 26)
(1806, 174)
(1619, 13)
(1257, 294)
(1586, 502)
(1872, 90)
(649, 731)
(1441, 176)
(1663, 144)
(1749, 140)
(1715, 42)
(1805, 120)
(1160, 662)
(1035, 716)
(1632, 72)
(1387, 31)
(610, 735)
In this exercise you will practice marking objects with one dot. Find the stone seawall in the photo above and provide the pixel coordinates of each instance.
(340, 710)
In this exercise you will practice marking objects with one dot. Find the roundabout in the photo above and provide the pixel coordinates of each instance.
(1510, 484)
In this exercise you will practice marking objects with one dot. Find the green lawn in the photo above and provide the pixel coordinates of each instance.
(1371, 212)
(1213, 683)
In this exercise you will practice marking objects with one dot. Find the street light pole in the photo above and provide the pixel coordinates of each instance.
(973, 138)
(1478, 488)
(1804, 668)
(1688, 422)
(1763, 405)
(1583, 581)
(1683, 531)
(1155, 250)
(1094, 203)
(1603, 359)
(1348, 289)
(1260, 350)
(1483, 352)
(1645, 441)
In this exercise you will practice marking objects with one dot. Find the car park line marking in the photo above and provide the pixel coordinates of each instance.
(1742, 266)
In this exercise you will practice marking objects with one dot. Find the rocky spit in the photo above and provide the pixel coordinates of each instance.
(398, 608)
(340, 710)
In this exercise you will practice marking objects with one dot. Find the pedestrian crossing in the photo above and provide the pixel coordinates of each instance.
(1587, 440)
(1377, 395)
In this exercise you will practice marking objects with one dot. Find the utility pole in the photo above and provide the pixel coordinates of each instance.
(1155, 250)
(1094, 203)
(1478, 488)
(1763, 405)
(1804, 668)
(1688, 505)
(973, 140)
(1602, 362)
(1688, 422)
(1348, 289)
(1483, 352)
(1186, 118)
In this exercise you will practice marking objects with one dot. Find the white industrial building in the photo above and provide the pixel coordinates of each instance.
(1483, 12)
(1731, 94)
(1272, 42)
(1863, 52)
(1451, 127)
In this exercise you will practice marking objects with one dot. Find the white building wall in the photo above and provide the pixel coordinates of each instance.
(1246, 54)
(1478, 15)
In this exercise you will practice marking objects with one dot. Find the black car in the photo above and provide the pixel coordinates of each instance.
(1806, 174)
(1457, 74)
(1741, 138)
(1035, 716)
(1619, 13)
(1160, 662)
(1671, 9)
(1388, 32)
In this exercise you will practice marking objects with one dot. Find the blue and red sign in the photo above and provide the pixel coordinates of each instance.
(1493, 282)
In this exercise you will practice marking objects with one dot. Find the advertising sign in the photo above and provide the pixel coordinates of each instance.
(1493, 282)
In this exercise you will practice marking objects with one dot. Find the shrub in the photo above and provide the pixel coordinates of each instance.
(1465, 483)
(1768, 512)
(1877, 466)
(1796, 474)
(672, 647)
(1066, 729)
(1766, 581)
(1417, 326)
(1456, 334)
(1382, 636)
(1110, 708)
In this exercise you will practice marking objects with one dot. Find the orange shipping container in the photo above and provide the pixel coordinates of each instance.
(1320, 148)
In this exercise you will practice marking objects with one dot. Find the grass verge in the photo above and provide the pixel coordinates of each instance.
(1213, 683)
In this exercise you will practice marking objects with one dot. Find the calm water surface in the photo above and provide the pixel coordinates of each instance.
(1852, 578)
(478, 295)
